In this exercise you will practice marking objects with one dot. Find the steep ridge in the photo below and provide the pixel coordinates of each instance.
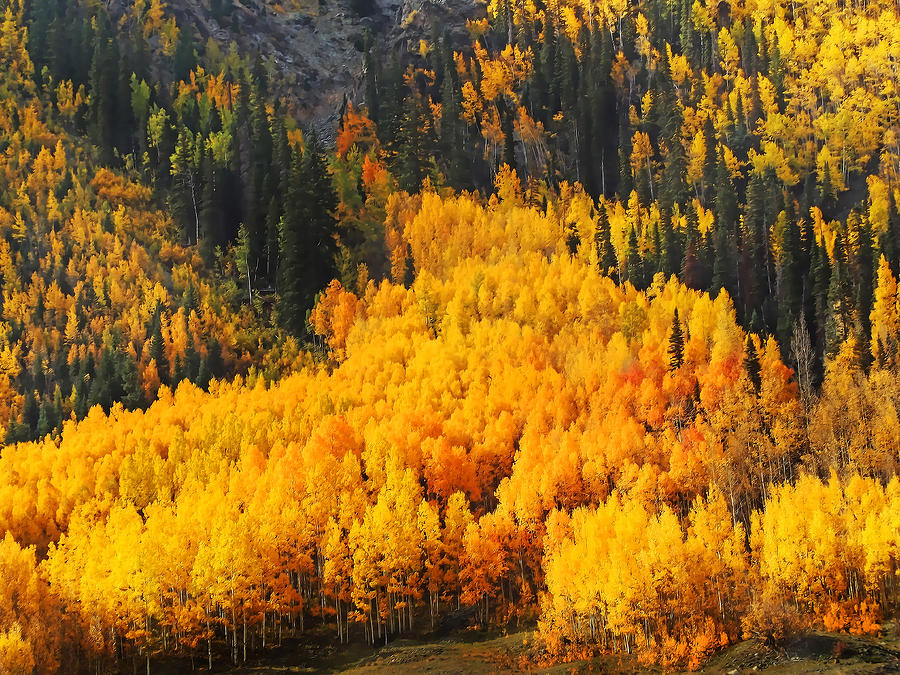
(315, 51)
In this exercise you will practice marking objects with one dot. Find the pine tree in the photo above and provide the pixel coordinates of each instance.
(827, 195)
(725, 260)
(789, 289)
(184, 59)
(57, 410)
(411, 161)
(753, 249)
(31, 412)
(104, 87)
(674, 188)
(751, 363)
(634, 267)
(710, 164)
(839, 318)
(673, 248)
(308, 247)
(44, 424)
(409, 268)
(676, 344)
(186, 189)
(157, 345)
(373, 75)
(606, 255)
(211, 230)
(260, 182)
(693, 269)
(451, 138)
(626, 181)
(865, 290)
(821, 282)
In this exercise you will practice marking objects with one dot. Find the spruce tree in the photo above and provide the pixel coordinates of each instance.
(308, 247)
(865, 289)
(821, 281)
(451, 136)
(606, 255)
(789, 285)
(675, 350)
(184, 59)
(411, 149)
(693, 268)
(634, 266)
(158, 346)
(626, 182)
(409, 268)
(839, 317)
(751, 363)
(724, 248)
(710, 163)
(210, 216)
(104, 84)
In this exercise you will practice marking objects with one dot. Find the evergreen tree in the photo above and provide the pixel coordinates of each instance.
(31, 412)
(372, 75)
(710, 164)
(676, 344)
(104, 87)
(673, 250)
(725, 260)
(210, 216)
(409, 268)
(57, 410)
(693, 269)
(184, 199)
(634, 266)
(308, 247)
(260, 183)
(157, 345)
(751, 363)
(889, 241)
(411, 160)
(184, 59)
(865, 289)
(451, 136)
(755, 277)
(839, 318)
(626, 182)
(606, 255)
(821, 282)
(789, 288)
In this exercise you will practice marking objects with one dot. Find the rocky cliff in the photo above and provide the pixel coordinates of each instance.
(315, 48)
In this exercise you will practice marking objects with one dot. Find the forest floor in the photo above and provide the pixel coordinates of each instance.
(478, 652)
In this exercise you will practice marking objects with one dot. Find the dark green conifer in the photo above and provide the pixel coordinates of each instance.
(675, 350)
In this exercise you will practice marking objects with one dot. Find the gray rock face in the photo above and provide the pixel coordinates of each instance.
(315, 52)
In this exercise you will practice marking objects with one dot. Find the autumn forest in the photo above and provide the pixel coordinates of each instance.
(582, 317)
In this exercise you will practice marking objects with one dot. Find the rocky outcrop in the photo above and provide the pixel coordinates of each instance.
(316, 51)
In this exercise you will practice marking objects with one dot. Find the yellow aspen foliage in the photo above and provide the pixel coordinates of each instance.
(885, 317)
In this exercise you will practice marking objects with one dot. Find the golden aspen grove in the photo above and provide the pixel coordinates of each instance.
(584, 321)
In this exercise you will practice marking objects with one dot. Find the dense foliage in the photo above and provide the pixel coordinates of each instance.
(513, 433)
(750, 146)
(140, 212)
(100, 304)
(641, 385)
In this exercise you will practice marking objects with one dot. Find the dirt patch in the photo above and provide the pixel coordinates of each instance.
(478, 652)
(811, 652)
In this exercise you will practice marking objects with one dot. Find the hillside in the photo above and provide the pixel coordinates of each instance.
(101, 304)
(515, 433)
(577, 316)
(314, 52)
